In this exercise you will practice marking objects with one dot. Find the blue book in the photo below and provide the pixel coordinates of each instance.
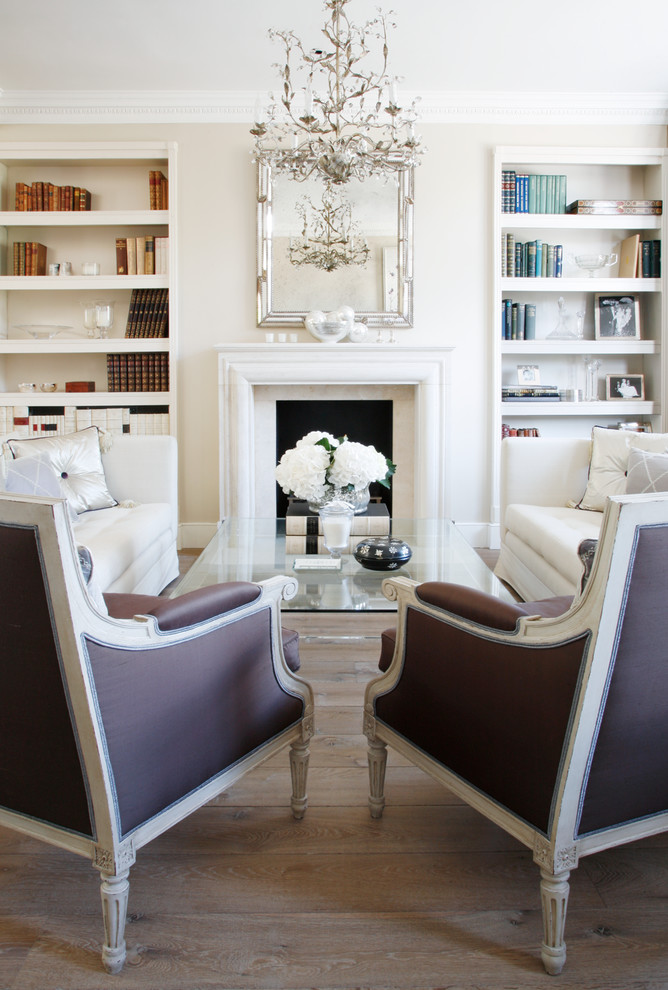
(542, 194)
(533, 194)
(539, 259)
(530, 321)
(558, 260)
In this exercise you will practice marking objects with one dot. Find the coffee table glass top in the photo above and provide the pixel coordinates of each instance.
(254, 549)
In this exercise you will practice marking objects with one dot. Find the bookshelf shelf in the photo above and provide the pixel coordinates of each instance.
(597, 174)
(117, 175)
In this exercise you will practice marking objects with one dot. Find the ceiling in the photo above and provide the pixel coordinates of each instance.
(439, 46)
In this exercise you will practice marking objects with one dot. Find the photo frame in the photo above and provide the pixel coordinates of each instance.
(616, 317)
(625, 387)
(528, 374)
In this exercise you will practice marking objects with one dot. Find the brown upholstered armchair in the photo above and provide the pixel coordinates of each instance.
(551, 719)
(114, 728)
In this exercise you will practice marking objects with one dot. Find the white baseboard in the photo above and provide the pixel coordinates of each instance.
(196, 535)
(479, 534)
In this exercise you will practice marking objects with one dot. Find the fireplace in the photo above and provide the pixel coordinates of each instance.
(253, 378)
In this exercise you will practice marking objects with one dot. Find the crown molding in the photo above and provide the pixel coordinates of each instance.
(124, 106)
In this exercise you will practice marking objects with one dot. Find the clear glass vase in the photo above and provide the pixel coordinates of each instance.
(358, 499)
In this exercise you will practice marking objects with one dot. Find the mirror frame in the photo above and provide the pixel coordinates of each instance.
(268, 317)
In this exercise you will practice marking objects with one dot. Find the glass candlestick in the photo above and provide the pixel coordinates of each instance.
(337, 520)
(591, 384)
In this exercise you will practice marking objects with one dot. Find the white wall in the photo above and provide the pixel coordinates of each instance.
(453, 278)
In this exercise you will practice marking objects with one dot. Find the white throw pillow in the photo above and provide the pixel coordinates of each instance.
(647, 472)
(77, 461)
(609, 462)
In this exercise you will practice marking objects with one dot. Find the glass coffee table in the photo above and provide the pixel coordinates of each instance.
(254, 549)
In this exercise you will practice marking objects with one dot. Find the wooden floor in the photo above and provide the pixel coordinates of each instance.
(242, 896)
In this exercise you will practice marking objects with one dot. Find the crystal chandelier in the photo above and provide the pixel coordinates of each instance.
(348, 122)
(330, 238)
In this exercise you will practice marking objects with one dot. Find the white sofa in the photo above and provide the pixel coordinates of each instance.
(540, 533)
(133, 545)
(552, 497)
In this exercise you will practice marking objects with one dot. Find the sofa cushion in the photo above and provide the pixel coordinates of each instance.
(646, 472)
(77, 461)
(554, 534)
(609, 462)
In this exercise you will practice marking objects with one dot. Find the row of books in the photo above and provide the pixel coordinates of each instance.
(530, 259)
(29, 258)
(518, 431)
(46, 196)
(148, 313)
(24, 422)
(138, 372)
(639, 259)
(303, 528)
(158, 190)
(145, 255)
(530, 393)
(612, 207)
(524, 192)
(518, 320)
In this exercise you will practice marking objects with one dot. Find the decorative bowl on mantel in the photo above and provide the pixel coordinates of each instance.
(329, 328)
(382, 553)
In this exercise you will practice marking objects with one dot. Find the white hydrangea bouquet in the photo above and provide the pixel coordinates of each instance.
(321, 467)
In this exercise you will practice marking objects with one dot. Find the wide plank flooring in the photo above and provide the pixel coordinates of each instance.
(242, 896)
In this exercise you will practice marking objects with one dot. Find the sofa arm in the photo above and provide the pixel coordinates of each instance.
(543, 471)
(143, 469)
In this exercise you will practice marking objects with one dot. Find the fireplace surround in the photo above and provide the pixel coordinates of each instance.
(251, 377)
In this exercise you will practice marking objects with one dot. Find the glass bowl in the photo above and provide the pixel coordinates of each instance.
(42, 331)
(48, 387)
(593, 263)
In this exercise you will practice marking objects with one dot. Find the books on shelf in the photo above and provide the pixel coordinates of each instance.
(303, 528)
(532, 259)
(45, 196)
(25, 422)
(518, 320)
(518, 431)
(148, 313)
(610, 207)
(144, 255)
(530, 393)
(158, 190)
(138, 372)
(524, 192)
(29, 258)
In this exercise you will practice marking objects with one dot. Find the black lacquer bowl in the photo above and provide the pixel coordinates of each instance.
(382, 553)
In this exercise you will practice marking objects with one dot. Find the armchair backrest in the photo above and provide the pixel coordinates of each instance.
(620, 737)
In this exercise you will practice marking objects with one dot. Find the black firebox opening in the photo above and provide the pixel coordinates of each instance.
(367, 421)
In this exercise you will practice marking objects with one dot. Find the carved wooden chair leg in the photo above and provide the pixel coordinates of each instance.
(554, 896)
(299, 757)
(114, 892)
(377, 764)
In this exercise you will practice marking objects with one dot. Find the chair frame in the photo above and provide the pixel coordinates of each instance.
(600, 610)
(73, 618)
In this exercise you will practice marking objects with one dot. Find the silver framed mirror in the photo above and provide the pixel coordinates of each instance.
(378, 218)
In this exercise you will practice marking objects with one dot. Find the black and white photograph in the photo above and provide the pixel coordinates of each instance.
(625, 386)
(617, 317)
(528, 374)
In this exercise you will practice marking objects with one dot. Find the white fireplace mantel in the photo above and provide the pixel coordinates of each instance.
(242, 367)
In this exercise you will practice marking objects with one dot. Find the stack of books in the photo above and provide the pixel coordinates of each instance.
(158, 190)
(530, 393)
(46, 196)
(144, 255)
(610, 207)
(138, 372)
(518, 320)
(303, 529)
(533, 259)
(29, 258)
(522, 192)
(148, 315)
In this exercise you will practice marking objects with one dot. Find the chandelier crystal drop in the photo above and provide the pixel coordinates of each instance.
(330, 238)
(345, 121)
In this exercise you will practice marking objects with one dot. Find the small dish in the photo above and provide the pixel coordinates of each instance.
(26, 387)
(42, 331)
(48, 387)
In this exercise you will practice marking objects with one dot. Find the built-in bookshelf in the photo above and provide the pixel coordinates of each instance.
(553, 334)
(80, 201)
